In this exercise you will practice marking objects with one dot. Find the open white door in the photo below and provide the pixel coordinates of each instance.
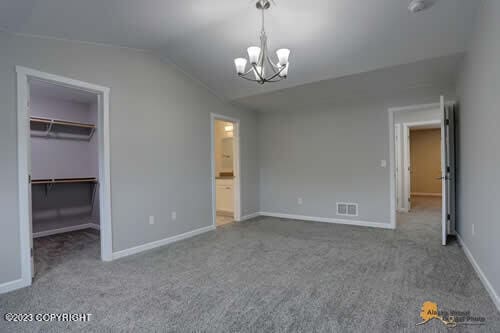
(444, 203)
(450, 156)
(447, 170)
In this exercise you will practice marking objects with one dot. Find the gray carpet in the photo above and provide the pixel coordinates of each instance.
(267, 274)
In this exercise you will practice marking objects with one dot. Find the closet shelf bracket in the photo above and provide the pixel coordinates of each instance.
(50, 130)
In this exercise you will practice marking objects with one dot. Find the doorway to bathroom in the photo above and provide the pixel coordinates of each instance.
(225, 170)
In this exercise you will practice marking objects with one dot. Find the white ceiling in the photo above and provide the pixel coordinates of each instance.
(328, 38)
(43, 89)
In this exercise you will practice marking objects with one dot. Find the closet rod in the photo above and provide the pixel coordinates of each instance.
(64, 180)
(60, 122)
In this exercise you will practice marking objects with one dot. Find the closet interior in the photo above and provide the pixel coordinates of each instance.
(64, 159)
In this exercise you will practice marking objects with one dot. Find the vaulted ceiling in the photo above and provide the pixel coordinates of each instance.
(328, 38)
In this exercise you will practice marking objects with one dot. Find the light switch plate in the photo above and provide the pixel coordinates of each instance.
(383, 163)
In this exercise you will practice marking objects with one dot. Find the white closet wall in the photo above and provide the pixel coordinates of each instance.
(59, 206)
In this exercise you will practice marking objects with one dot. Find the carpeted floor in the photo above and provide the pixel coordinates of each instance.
(262, 275)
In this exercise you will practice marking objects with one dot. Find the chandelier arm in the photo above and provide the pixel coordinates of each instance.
(273, 66)
(275, 75)
(278, 80)
(247, 72)
(259, 74)
(246, 78)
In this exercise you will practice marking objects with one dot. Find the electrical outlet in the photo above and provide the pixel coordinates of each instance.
(383, 163)
(473, 229)
(174, 216)
(151, 220)
(300, 201)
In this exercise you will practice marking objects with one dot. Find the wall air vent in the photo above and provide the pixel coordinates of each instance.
(347, 209)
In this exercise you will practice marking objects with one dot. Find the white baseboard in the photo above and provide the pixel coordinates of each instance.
(12, 285)
(489, 288)
(423, 194)
(403, 210)
(249, 216)
(329, 220)
(161, 242)
(65, 229)
(95, 226)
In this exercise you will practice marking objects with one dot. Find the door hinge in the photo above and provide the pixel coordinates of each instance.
(447, 121)
(31, 252)
(448, 169)
(29, 179)
(448, 217)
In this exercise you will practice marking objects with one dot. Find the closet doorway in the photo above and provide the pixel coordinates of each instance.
(63, 152)
(225, 158)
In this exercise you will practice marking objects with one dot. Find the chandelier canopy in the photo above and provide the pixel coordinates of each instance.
(263, 68)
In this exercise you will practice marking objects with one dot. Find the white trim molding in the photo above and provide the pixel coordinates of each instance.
(249, 216)
(65, 229)
(23, 146)
(328, 220)
(392, 163)
(407, 126)
(161, 242)
(11, 285)
(487, 285)
(237, 162)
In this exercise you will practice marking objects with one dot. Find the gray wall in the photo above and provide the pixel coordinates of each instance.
(160, 147)
(328, 151)
(479, 139)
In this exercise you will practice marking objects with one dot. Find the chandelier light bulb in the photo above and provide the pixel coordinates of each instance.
(283, 55)
(253, 54)
(240, 64)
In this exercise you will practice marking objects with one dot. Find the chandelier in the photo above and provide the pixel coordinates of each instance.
(263, 68)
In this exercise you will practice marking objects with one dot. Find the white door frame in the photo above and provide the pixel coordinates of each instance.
(392, 162)
(23, 141)
(237, 162)
(398, 167)
(406, 157)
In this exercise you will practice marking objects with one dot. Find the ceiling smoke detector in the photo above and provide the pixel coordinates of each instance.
(416, 6)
